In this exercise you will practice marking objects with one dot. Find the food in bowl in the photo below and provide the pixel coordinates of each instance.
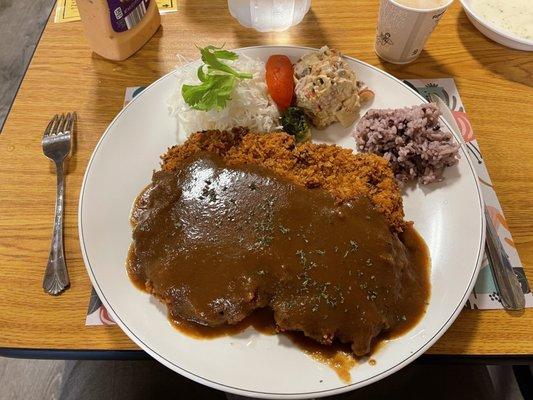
(410, 139)
(515, 16)
(236, 221)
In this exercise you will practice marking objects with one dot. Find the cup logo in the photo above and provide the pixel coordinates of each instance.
(384, 38)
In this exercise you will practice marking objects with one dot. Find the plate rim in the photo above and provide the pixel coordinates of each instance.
(291, 395)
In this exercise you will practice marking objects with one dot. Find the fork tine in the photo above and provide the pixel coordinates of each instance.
(48, 129)
(68, 123)
(55, 127)
(61, 124)
(74, 120)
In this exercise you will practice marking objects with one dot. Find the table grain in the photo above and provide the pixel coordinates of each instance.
(495, 84)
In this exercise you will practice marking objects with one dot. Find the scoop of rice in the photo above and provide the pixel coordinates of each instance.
(250, 103)
(411, 140)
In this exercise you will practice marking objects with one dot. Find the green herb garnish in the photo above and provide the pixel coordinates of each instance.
(295, 123)
(217, 80)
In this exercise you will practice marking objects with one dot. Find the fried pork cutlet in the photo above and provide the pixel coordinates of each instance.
(236, 221)
(338, 170)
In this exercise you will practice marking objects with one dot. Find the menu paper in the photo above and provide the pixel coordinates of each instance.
(484, 295)
(67, 11)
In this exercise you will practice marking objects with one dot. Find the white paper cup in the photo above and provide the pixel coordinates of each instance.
(403, 31)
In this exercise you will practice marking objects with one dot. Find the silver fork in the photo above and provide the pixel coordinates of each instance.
(57, 146)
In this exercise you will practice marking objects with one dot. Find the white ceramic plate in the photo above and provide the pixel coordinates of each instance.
(494, 32)
(448, 215)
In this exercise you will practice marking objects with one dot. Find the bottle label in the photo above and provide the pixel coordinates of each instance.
(125, 14)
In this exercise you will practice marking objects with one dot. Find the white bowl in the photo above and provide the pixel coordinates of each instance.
(494, 32)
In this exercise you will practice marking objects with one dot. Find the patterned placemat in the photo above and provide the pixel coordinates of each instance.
(485, 295)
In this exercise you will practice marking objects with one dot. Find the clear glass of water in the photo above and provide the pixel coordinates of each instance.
(269, 15)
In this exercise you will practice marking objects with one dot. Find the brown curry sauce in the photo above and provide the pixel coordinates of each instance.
(223, 246)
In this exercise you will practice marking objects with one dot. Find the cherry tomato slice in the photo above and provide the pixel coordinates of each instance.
(280, 80)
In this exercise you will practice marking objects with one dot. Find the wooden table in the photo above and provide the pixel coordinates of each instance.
(494, 82)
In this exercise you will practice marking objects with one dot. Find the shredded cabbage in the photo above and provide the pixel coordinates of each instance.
(250, 105)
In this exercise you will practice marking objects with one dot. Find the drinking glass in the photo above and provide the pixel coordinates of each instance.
(269, 15)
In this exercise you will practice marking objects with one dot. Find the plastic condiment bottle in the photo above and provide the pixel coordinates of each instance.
(116, 29)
